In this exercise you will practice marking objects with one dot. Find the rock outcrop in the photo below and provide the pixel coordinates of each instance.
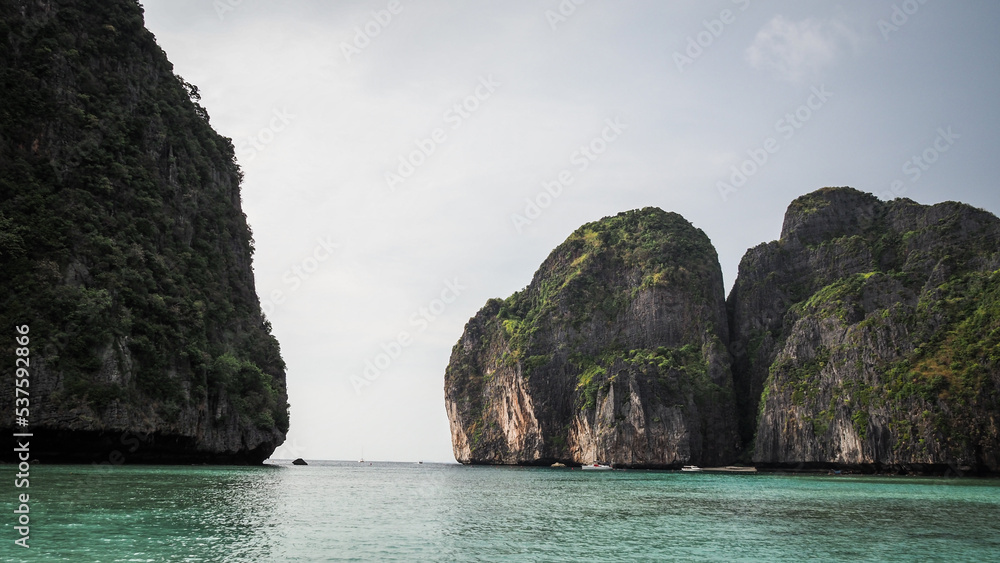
(868, 336)
(125, 251)
(616, 352)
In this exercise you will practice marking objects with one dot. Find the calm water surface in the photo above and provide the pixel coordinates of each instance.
(342, 511)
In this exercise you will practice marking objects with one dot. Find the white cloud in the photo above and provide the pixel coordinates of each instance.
(798, 50)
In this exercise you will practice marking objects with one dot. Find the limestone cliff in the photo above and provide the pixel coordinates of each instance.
(616, 352)
(125, 250)
(868, 335)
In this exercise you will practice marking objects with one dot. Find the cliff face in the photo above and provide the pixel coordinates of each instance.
(615, 352)
(125, 250)
(869, 335)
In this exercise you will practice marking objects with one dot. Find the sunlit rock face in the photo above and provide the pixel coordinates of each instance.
(616, 352)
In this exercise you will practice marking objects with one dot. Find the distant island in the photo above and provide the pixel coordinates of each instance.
(125, 252)
(866, 338)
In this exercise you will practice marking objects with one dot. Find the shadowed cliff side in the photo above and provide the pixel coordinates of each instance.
(868, 335)
(615, 352)
(125, 250)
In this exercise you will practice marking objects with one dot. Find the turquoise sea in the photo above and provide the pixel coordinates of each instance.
(346, 511)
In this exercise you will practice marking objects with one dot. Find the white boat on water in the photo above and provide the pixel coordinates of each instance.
(691, 468)
(596, 467)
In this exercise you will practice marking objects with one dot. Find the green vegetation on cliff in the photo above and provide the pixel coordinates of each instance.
(581, 281)
(600, 269)
(121, 235)
(880, 317)
(867, 335)
(621, 331)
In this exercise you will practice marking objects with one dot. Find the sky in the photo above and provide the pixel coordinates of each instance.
(405, 160)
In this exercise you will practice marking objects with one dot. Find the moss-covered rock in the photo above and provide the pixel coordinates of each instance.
(125, 249)
(615, 352)
(869, 335)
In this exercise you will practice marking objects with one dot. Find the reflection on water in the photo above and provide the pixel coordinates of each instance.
(407, 512)
(142, 513)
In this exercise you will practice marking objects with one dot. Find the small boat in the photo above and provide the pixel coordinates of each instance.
(691, 468)
(596, 467)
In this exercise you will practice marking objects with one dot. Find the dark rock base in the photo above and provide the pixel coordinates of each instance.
(927, 469)
(123, 447)
(547, 462)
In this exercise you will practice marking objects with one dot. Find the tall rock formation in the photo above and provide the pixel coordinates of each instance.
(616, 352)
(124, 249)
(868, 335)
